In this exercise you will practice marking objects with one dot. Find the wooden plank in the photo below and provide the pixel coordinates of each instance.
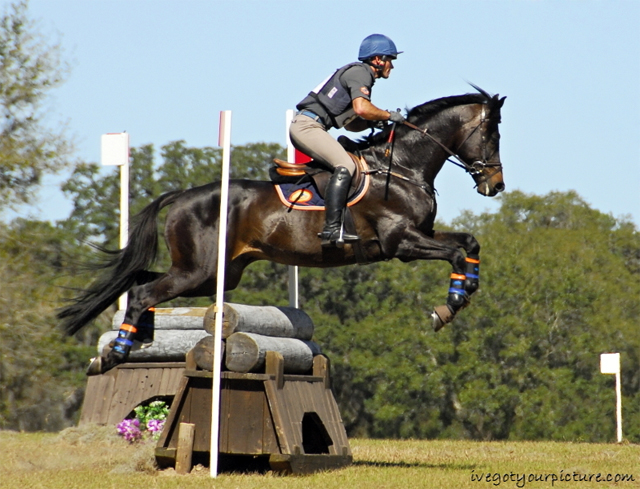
(184, 451)
(322, 368)
(190, 361)
(175, 377)
(120, 396)
(319, 397)
(165, 381)
(199, 412)
(340, 439)
(307, 464)
(269, 436)
(163, 365)
(226, 411)
(295, 411)
(279, 415)
(245, 424)
(171, 422)
(165, 457)
(151, 386)
(104, 402)
(93, 397)
(274, 365)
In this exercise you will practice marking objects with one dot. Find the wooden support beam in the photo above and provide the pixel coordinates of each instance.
(184, 453)
(275, 366)
(322, 368)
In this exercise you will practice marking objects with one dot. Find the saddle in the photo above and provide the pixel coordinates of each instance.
(317, 172)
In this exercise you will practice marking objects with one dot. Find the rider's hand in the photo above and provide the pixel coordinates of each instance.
(396, 116)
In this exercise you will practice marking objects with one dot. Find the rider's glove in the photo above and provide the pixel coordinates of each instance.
(396, 116)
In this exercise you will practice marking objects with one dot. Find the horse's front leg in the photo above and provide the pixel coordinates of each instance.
(446, 246)
(471, 246)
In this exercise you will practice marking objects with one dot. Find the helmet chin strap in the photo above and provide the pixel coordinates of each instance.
(379, 69)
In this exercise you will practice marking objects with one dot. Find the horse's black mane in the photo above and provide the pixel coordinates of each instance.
(429, 109)
(436, 106)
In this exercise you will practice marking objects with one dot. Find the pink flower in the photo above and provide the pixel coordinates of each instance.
(130, 429)
(155, 425)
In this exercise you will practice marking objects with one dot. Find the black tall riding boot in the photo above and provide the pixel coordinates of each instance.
(335, 201)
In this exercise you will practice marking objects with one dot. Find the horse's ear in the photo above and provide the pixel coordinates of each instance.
(497, 102)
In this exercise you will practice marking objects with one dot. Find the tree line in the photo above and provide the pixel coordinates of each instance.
(559, 286)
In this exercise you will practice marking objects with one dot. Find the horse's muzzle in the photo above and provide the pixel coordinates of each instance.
(489, 182)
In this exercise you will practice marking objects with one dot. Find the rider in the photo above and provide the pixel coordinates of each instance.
(343, 100)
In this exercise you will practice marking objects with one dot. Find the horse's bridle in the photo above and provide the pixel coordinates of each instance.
(476, 168)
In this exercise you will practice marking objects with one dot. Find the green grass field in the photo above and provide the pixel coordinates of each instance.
(96, 458)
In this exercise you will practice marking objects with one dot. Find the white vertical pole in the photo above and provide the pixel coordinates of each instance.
(114, 151)
(224, 140)
(610, 364)
(293, 270)
(618, 407)
(124, 220)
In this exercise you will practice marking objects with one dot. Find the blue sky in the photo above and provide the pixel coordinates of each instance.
(163, 70)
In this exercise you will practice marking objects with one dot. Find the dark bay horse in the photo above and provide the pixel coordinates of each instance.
(394, 220)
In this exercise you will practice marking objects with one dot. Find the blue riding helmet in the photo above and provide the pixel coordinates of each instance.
(377, 45)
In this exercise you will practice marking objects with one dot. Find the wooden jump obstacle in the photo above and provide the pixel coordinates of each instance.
(277, 409)
(289, 423)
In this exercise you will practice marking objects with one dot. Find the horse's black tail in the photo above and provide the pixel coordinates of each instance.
(124, 266)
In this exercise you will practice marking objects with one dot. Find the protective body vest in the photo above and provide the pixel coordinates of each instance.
(335, 98)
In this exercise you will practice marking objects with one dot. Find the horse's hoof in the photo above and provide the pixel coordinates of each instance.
(101, 364)
(436, 322)
(95, 366)
(441, 315)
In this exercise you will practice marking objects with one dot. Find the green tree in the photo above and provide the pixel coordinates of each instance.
(29, 68)
(41, 373)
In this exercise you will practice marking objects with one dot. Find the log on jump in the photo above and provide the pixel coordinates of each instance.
(171, 318)
(203, 353)
(246, 352)
(168, 345)
(285, 322)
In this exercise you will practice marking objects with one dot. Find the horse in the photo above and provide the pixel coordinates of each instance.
(394, 219)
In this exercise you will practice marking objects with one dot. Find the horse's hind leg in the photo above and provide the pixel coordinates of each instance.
(174, 283)
(141, 298)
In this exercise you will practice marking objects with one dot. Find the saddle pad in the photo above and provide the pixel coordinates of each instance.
(305, 196)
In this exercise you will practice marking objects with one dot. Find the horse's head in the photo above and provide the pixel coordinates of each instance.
(480, 145)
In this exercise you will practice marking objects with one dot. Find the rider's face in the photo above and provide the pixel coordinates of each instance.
(386, 65)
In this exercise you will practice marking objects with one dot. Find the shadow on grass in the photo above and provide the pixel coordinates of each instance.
(413, 465)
